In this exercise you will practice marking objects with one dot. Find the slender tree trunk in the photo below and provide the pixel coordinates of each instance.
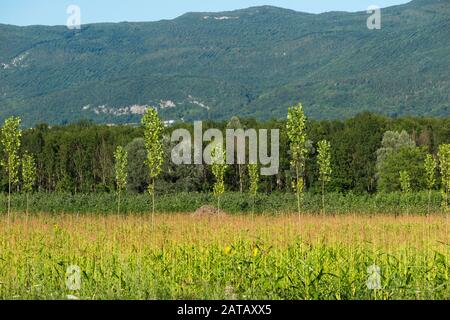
(218, 205)
(446, 199)
(27, 209)
(153, 202)
(118, 204)
(323, 197)
(9, 188)
(253, 207)
(429, 201)
(298, 191)
(407, 204)
(240, 178)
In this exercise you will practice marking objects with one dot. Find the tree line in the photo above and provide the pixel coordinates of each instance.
(364, 154)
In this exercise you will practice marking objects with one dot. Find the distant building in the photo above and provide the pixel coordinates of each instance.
(168, 123)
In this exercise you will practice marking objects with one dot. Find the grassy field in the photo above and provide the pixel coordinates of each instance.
(185, 256)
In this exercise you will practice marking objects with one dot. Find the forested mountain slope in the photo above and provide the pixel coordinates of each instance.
(253, 62)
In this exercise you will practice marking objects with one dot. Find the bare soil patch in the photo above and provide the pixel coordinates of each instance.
(208, 211)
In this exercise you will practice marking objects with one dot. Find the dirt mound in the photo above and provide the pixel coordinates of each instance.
(207, 210)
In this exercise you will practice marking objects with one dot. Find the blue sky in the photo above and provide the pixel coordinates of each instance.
(53, 12)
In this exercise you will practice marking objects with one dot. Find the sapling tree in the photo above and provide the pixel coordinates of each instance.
(405, 184)
(253, 172)
(219, 167)
(296, 131)
(28, 175)
(430, 169)
(10, 138)
(121, 162)
(444, 166)
(153, 138)
(324, 161)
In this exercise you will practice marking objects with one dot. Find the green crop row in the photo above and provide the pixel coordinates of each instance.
(232, 202)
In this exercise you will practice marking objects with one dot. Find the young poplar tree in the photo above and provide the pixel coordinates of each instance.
(430, 169)
(28, 175)
(235, 124)
(10, 138)
(153, 135)
(324, 161)
(444, 166)
(121, 162)
(253, 172)
(405, 184)
(296, 131)
(219, 166)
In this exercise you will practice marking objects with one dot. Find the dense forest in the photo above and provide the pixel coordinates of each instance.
(367, 153)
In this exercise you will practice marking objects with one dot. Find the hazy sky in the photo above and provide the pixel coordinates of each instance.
(53, 12)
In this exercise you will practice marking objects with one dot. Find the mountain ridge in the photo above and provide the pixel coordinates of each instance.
(215, 65)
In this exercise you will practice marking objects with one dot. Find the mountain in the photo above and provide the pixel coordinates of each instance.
(253, 62)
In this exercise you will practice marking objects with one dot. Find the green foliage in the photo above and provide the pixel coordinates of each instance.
(444, 166)
(10, 139)
(392, 142)
(235, 124)
(121, 162)
(79, 158)
(153, 131)
(405, 185)
(28, 172)
(405, 182)
(324, 161)
(28, 175)
(231, 202)
(355, 143)
(138, 177)
(219, 167)
(430, 169)
(253, 171)
(409, 159)
(296, 132)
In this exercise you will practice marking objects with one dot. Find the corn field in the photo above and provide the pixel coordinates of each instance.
(188, 256)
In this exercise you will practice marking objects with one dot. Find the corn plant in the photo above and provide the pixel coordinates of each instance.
(234, 257)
